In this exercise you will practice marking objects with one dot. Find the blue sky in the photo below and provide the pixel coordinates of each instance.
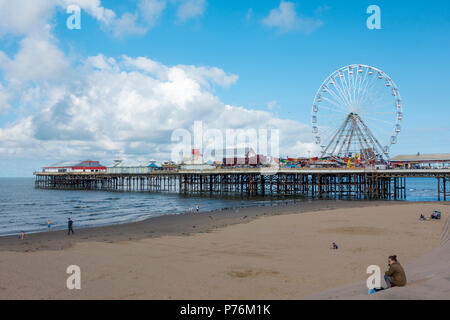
(282, 66)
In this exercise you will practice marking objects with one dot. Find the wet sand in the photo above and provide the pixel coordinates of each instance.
(280, 252)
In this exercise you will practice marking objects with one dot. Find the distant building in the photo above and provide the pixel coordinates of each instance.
(121, 166)
(169, 166)
(196, 163)
(75, 166)
(422, 161)
(242, 157)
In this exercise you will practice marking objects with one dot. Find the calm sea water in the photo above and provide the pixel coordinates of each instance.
(24, 208)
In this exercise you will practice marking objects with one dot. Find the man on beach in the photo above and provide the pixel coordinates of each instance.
(70, 226)
(395, 276)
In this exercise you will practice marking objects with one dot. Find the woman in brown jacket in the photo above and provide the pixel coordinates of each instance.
(395, 276)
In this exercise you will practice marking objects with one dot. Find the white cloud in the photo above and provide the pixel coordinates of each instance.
(151, 9)
(147, 65)
(131, 106)
(19, 17)
(213, 75)
(4, 99)
(38, 59)
(101, 62)
(127, 25)
(22, 17)
(189, 9)
(93, 8)
(138, 23)
(285, 19)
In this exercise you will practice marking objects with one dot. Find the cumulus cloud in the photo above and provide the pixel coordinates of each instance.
(18, 17)
(285, 19)
(131, 106)
(38, 59)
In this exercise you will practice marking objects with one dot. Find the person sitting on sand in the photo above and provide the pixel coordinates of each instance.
(436, 215)
(422, 217)
(395, 276)
(334, 246)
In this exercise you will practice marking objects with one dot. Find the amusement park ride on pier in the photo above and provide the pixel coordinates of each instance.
(355, 108)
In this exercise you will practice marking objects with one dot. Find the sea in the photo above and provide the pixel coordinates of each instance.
(23, 208)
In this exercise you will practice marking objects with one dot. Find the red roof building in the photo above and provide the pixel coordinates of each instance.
(76, 166)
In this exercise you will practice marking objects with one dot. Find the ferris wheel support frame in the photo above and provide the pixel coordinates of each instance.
(354, 128)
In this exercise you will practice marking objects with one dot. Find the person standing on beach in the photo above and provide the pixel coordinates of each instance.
(70, 226)
(395, 276)
(197, 208)
(49, 224)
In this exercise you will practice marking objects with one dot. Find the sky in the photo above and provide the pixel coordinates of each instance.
(137, 70)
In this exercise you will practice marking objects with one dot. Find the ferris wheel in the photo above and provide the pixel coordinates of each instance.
(357, 111)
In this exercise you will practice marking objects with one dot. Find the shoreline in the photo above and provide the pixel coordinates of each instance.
(280, 202)
(183, 224)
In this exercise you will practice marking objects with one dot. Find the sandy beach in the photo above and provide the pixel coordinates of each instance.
(278, 252)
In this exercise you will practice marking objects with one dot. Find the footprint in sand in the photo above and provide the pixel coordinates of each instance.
(251, 272)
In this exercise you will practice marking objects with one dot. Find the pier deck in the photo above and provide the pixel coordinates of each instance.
(335, 183)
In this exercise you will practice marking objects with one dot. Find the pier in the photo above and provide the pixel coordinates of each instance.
(314, 183)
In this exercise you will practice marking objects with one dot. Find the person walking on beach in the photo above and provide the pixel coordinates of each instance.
(197, 208)
(395, 276)
(70, 226)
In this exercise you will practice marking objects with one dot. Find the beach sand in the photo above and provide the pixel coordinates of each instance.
(254, 253)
